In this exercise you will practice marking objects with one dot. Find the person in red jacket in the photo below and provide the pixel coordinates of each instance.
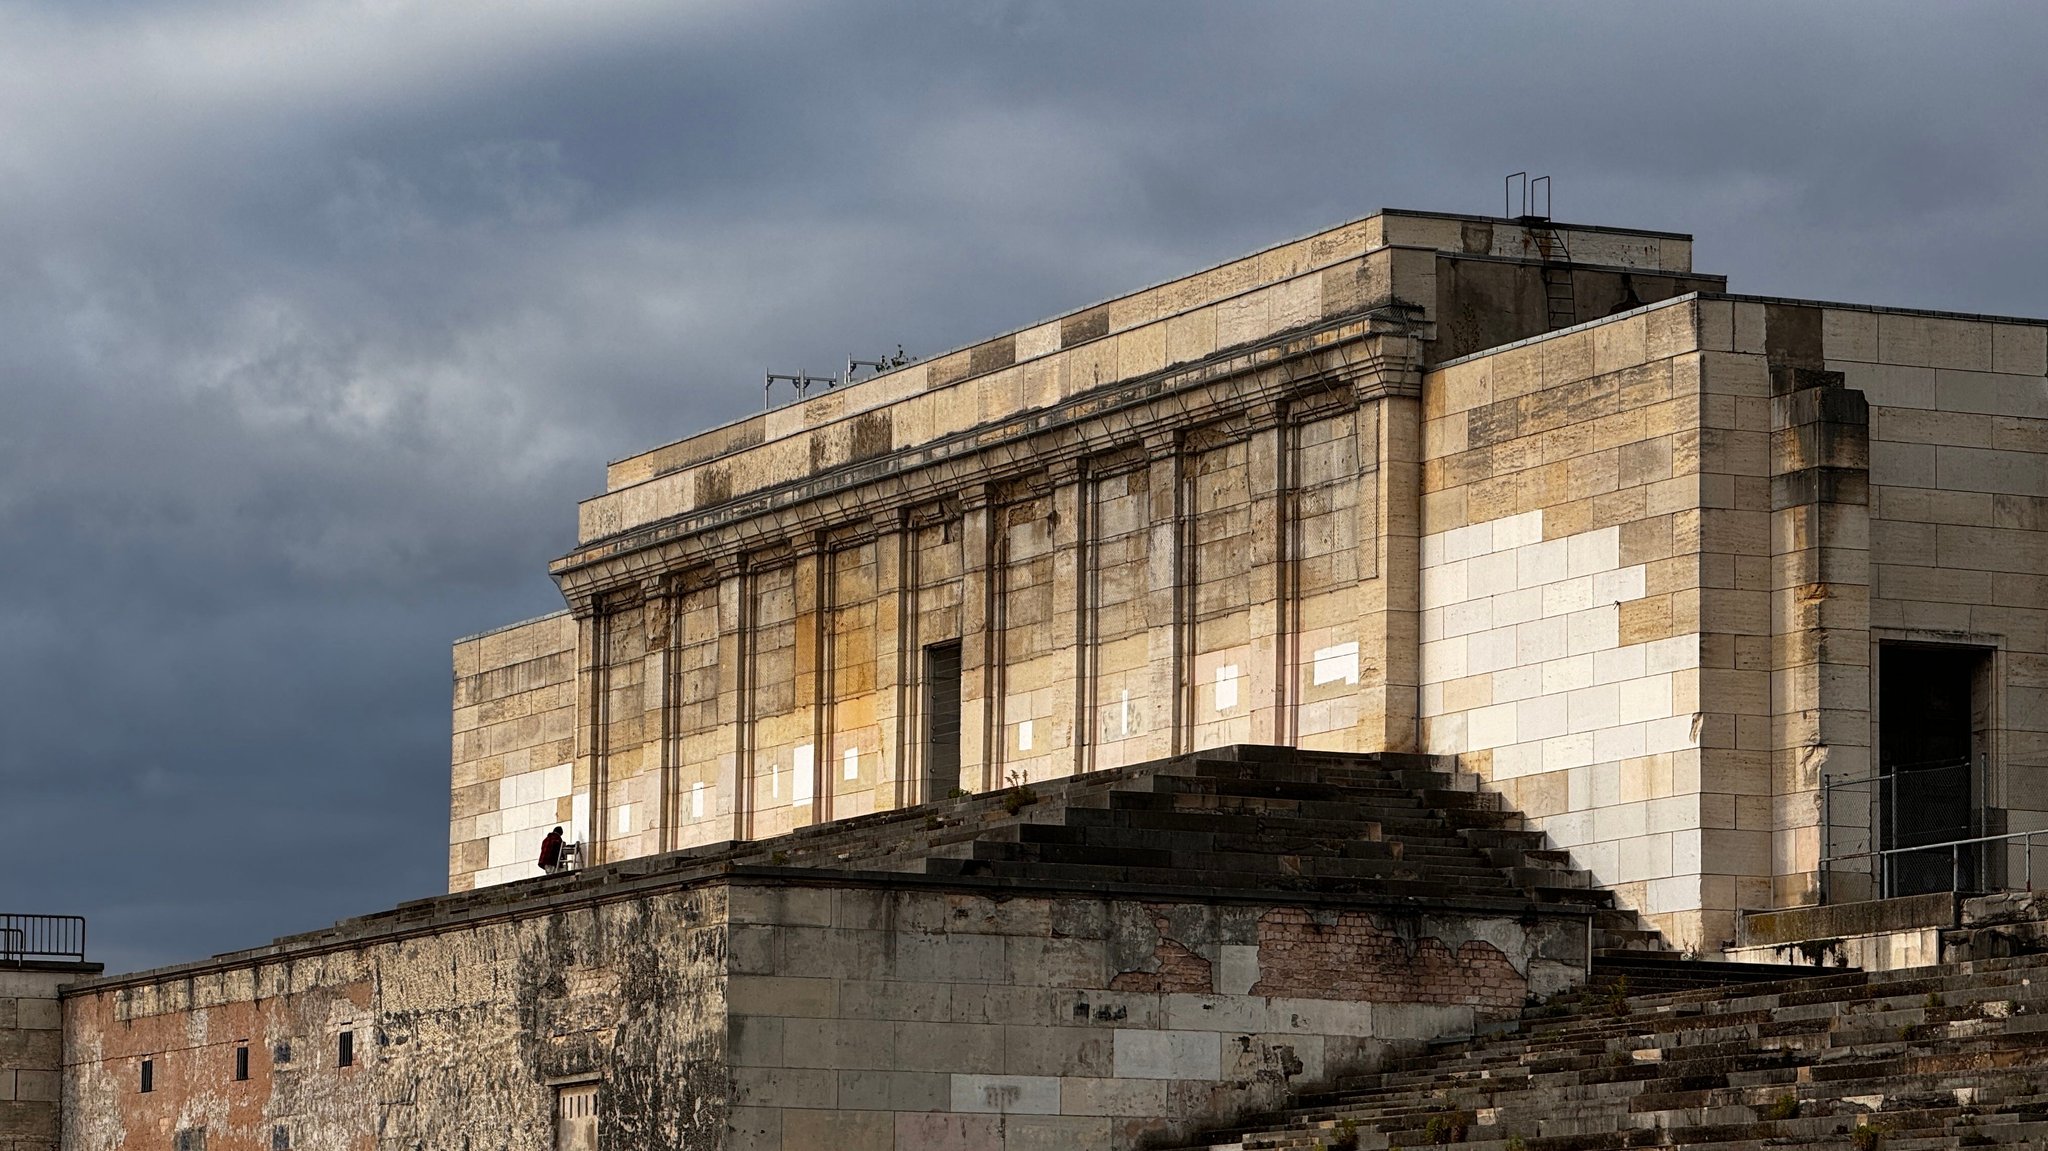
(551, 851)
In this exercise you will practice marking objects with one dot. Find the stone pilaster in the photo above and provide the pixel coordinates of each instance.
(1820, 608)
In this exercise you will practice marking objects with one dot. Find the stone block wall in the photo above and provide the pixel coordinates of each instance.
(1182, 519)
(468, 1028)
(31, 1057)
(783, 1012)
(514, 773)
(878, 1019)
(1952, 550)
(1562, 588)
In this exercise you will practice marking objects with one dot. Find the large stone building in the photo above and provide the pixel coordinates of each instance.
(1645, 556)
(901, 730)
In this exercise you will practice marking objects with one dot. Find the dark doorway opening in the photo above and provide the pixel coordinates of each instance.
(1933, 738)
(941, 720)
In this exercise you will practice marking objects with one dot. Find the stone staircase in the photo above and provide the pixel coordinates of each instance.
(1394, 827)
(1943, 1057)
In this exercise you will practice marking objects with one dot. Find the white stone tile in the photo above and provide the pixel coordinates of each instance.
(558, 780)
(1673, 813)
(488, 824)
(1620, 821)
(1614, 664)
(1518, 682)
(1662, 735)
(1594, 551)
(1605, 785)
(1492, 726)
(1516, 760)
(1539, 564)
(1444, 734)
(1591, 708)
(1517, 530)
(1489, 650)
(1468, 616)
(1006, 1094)
(1567, 596)
(1432, 550)
(1573, 829)
(1539, 718)
(1432, 699)
(1565, 752)
(1443, 584)
(1468, 541)
(1518, 606)
(1679, 893)
(1594, 630)
(1541, 640)
(1432, 624)
(1618, 743)
(1645, 699)
(1140, 1053)
(1490, 574)
(1569, 674)
(1643, 857)
(1621, 585)
(1685, 853)
(1443, 660)
(1673, 654)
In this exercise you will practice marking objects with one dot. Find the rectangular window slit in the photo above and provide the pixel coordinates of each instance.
(241, 1062)
(148, 1076)
(345, 1049)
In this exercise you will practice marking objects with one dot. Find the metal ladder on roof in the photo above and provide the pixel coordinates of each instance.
(1560, 299)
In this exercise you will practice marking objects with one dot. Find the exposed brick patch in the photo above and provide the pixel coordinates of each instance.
(1176, 969)
(1356, 956)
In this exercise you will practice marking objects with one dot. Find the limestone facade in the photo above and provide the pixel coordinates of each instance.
(1180, 519)
(1349, 493)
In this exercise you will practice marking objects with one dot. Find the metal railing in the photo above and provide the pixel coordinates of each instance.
(1955, 848)
(43, 937)
(1880, 818)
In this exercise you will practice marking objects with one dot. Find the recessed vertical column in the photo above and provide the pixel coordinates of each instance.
(979, 652)
(1167, 612)
(736, 699)
(591, 690)
(1389, 387)
(658, 676)
(1820, 592)
(1272, 686)
(806, 778)
(1070, 605)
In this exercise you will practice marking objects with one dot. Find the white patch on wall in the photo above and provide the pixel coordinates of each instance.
(1523, 632)
(1024, 736)
(1336, 664)
(697, 800)
(800, 774)
(1125, 712)
(1226, 687)
(625, 819)
(852, 761)
(579, 818)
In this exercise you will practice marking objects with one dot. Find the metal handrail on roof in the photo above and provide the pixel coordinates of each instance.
(42, 937)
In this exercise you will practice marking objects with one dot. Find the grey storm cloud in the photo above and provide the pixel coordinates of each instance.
(316, 318)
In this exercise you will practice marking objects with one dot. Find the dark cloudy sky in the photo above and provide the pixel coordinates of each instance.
(316, 317)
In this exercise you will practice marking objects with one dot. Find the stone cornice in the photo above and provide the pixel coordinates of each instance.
(1334, 363)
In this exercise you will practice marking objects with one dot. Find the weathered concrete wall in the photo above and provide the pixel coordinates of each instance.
(31, 1056)
(515, 772)
(877, 1019)
(456, 1033)
(784, 1012)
